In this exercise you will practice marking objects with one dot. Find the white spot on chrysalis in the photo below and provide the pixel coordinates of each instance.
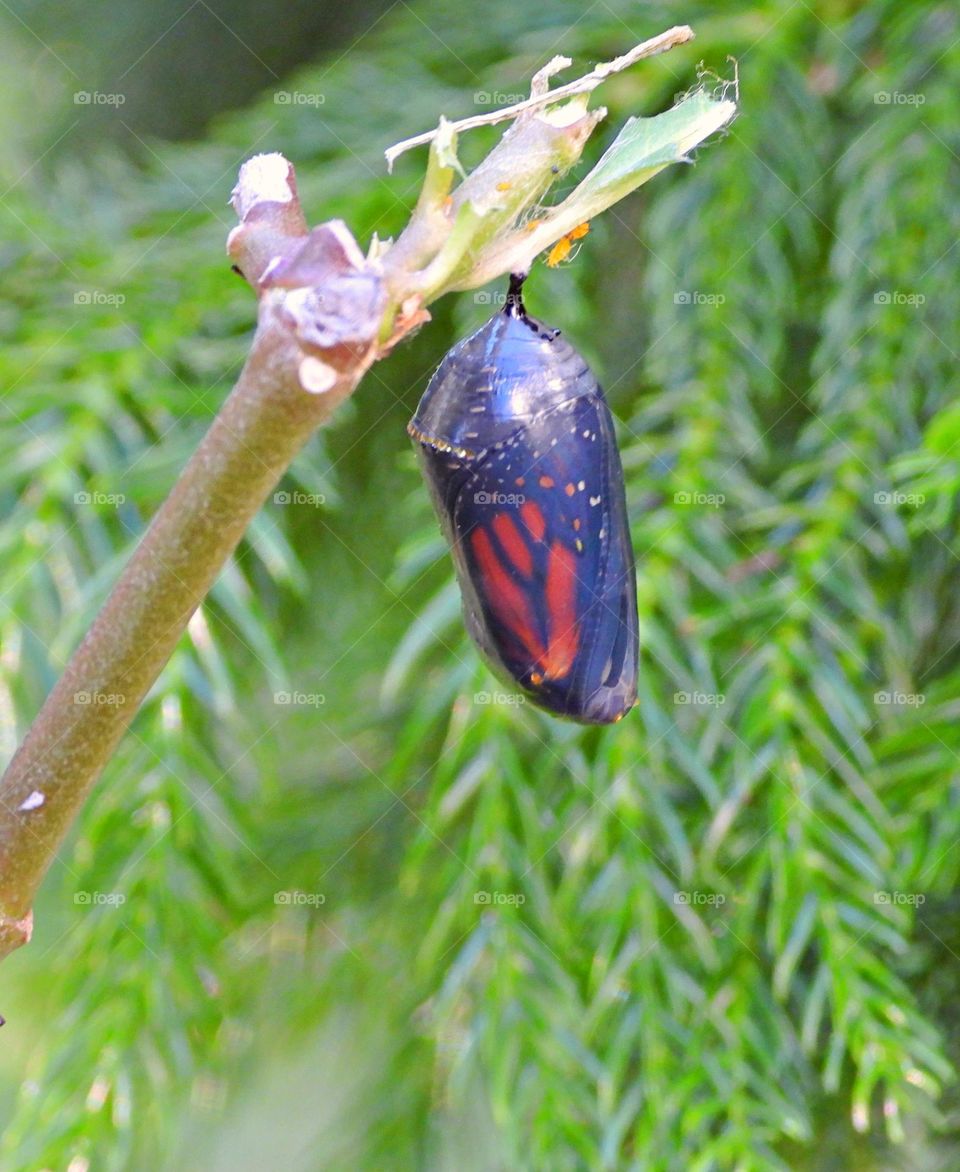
(33, 802)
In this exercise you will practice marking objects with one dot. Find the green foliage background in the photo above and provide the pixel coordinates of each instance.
(737, 945)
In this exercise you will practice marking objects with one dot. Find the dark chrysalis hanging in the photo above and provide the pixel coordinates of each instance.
(517, 447)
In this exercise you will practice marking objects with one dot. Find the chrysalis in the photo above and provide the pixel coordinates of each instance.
(517, 447)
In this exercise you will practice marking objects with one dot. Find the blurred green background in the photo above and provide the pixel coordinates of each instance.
(337, 903)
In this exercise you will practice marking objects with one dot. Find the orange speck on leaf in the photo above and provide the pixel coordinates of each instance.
(559, 252)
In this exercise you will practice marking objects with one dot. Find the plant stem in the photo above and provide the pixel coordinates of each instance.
(678, 35)
(261, 427)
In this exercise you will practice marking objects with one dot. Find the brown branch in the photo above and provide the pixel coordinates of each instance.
(308, 354)
(541, 97)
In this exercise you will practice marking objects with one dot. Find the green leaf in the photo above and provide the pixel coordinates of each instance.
(643, 148)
